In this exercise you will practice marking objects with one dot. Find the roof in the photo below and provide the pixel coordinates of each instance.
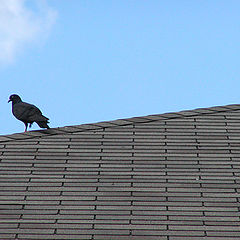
(170, 176)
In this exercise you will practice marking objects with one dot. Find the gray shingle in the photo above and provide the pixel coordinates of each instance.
(168, 176)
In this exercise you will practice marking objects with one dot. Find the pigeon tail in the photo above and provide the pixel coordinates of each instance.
(42, 124)
(42, 121)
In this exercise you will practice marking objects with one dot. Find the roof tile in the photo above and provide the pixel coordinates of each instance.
(167, 176)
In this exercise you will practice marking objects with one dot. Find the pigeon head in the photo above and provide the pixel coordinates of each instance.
(14, 99)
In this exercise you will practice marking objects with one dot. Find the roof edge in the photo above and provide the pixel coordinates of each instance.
(118, 122)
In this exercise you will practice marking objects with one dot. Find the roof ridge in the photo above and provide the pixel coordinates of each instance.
(119, 122)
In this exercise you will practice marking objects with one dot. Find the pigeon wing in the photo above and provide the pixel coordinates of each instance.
(27, 112)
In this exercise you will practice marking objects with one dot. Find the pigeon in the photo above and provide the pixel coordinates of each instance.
(27, 113)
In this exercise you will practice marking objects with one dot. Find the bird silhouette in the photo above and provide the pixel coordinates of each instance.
(27, 113)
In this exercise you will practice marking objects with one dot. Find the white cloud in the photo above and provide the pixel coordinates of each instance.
(21, 25)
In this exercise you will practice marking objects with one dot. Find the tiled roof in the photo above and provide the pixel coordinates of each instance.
(171, 176)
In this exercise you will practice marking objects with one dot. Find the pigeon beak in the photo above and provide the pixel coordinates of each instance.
(9, 100)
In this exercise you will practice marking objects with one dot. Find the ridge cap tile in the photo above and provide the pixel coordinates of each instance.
(85, 127)
(69, 129)
(119, 122)
(220, 108)
(105, 124)
(188, 113)
(171, 115)
(204, 110)
(137, 119)
(5, 138)
(51, 131)
(233, 106)
(155, 117)
(18, 136)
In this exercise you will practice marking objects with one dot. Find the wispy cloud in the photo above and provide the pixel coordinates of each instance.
(21, 24)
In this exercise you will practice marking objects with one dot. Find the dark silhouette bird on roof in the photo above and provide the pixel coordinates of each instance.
(27, 113)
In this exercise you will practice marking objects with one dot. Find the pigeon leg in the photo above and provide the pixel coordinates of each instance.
(26, 125)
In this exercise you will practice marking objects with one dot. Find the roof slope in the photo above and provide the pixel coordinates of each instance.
(171, 176)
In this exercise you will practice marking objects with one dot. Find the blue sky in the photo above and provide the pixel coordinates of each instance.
(84, 61)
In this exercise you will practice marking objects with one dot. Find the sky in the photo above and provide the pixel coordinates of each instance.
(85, 61)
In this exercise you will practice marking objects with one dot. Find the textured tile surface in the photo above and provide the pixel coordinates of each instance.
(170, 176)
